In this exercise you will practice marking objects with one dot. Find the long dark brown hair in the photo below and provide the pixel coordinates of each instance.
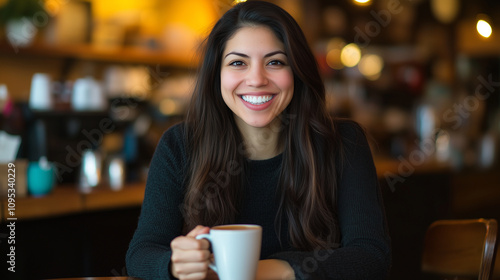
(308, 180)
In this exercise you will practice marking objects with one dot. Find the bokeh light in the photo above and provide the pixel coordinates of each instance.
(362, 2)
(53, 7)
(484, 28)
(334, 49)
(350, 55)
(168, 107)
(445, 10)
(371, 66)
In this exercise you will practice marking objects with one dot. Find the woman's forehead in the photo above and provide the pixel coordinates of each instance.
(258, 38)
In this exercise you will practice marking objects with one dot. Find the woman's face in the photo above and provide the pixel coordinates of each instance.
(256, 79)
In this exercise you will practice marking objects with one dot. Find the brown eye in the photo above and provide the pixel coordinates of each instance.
(237, 63)
(276, 62)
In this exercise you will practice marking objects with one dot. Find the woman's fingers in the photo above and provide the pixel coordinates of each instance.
(194, 276)
(198, 230)
(195, 270)
(189, 256)
(189, 243)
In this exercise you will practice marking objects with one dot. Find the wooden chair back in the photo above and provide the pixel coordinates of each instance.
(460, 248)
(496, 269)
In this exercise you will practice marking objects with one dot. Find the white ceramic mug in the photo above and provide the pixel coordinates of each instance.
(236, 250)
(41, 92)
(88, 95)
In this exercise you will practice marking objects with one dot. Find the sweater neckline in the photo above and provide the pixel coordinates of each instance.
(266, 163)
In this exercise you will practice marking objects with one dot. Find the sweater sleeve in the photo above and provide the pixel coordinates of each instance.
(364, 252)
(161, 220)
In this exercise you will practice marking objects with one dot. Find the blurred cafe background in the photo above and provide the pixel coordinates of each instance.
(87, 88)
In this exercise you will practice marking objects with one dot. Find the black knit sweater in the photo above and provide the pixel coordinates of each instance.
(364, 251)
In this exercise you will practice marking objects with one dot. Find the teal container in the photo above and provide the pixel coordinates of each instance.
(40, 179)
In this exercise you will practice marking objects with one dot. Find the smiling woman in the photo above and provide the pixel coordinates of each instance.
(259, 147)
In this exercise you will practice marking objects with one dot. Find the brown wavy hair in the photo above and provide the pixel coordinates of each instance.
(217, 157)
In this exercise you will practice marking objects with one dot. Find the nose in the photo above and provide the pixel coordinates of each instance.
(256, 77)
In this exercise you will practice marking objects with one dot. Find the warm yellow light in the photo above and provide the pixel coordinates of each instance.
(238, 1)
(350, 55)
(53, 7)
(333, 59)
(445, 10)
(362, 2)
(484, 28)
(370, 66)
(168, 107)
(333, 51)
(374, 77)
(158, 17)
(335, 43)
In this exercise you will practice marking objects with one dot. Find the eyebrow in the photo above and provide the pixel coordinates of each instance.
(246, 56)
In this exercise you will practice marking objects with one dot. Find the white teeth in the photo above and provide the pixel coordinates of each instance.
(252, 99)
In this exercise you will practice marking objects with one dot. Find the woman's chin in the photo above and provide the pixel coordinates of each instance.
(258, 123)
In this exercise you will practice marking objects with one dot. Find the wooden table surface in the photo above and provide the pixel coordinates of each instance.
(99, 278)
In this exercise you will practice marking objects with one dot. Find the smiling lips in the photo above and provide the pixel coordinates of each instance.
(257, 102)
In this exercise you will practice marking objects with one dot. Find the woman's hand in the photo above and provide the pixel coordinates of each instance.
(190, 257)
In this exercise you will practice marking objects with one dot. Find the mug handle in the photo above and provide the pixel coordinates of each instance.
(207, 237)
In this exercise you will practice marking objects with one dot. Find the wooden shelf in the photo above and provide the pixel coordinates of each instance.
(394, 167)
(66, 200)
(108, 199)
(62, 201)
(88, 52)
